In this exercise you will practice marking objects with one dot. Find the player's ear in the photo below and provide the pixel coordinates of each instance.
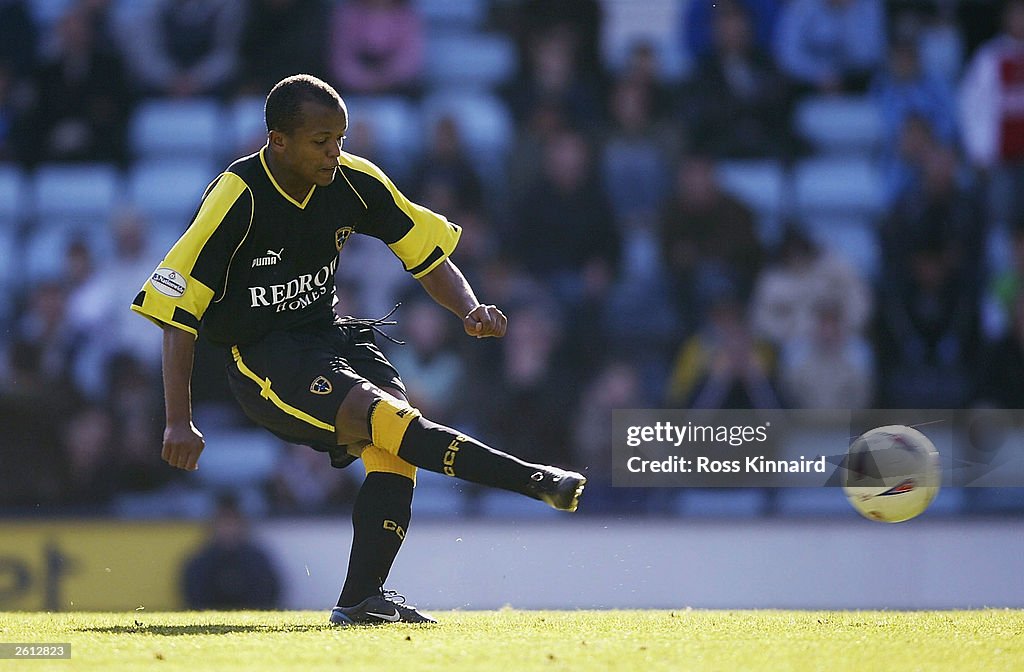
(276, 140)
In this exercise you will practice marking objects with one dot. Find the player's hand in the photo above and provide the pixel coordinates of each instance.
(182, 445)
(484, 321)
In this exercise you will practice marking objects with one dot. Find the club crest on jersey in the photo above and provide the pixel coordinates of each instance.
(269, 259)
(341, 235)
(320, 386)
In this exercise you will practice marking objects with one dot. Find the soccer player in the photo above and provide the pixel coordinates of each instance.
(255, 273)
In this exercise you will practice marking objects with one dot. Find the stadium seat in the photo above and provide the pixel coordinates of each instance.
(125, 13)
(394, 125)
(657, 22)
(851, 237)
(763, 186)
(45, 246)
(192, 129)
(834, 124)
(467, 60)
(484, 122)
(247, 125)
(47, 12)
(164, 233)
(634, 177)
(9, 257)
(451, 14)
(237, 459)
(83, 192)
(12, 201)
(168, 189)
(170, 502)
(840, 185)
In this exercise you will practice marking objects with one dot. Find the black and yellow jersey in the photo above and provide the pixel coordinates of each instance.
(254, 260)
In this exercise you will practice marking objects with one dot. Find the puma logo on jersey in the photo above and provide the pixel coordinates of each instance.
(270, 259)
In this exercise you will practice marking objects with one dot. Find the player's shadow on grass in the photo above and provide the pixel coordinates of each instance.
(208, 629)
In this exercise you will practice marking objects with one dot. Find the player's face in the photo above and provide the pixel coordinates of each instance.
(311, 152)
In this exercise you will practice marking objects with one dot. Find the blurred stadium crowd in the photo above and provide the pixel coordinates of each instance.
(678, 203)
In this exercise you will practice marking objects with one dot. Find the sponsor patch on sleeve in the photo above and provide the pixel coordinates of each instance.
(168, 282)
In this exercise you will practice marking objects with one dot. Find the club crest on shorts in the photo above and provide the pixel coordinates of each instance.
(320, 385)
(341, 235)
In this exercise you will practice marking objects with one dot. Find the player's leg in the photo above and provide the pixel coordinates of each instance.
(390, 423)
(380, 518)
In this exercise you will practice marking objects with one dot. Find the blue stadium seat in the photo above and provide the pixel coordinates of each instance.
(9, 258)
(12, 196)
(247, 125)
(173, 501)
(82, 192)
(484, 122)
(125, 13)
(840, 185)
(847, 124)
(47, 12)
(237, 459)
(42, 255)
(190, 129)
(657, 22)
(464, 60)
(45, 246)
(635, 177)
(452, 14)
(395, 126)
(851, 237)
(164, 233)
(763, 186)
(169, 189)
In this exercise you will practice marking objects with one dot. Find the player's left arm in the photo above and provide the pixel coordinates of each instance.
(423, 241)
(449, 288)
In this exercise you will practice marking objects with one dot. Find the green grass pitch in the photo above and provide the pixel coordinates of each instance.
(511, 641)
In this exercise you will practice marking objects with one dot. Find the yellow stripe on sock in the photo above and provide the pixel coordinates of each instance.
(267, 393)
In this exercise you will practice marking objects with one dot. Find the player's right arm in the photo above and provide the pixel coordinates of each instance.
(182, 441)
(194, 274)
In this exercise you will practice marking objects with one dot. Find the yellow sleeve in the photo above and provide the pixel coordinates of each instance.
(420, 238)
(194, 272)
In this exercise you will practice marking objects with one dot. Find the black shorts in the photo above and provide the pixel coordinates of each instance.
(292, 383)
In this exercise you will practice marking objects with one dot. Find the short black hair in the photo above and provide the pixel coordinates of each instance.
(283, 110)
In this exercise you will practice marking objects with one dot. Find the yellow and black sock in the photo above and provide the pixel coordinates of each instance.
(400, 430)
(380, 518)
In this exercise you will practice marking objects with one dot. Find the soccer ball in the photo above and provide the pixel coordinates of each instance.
(892, 473)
